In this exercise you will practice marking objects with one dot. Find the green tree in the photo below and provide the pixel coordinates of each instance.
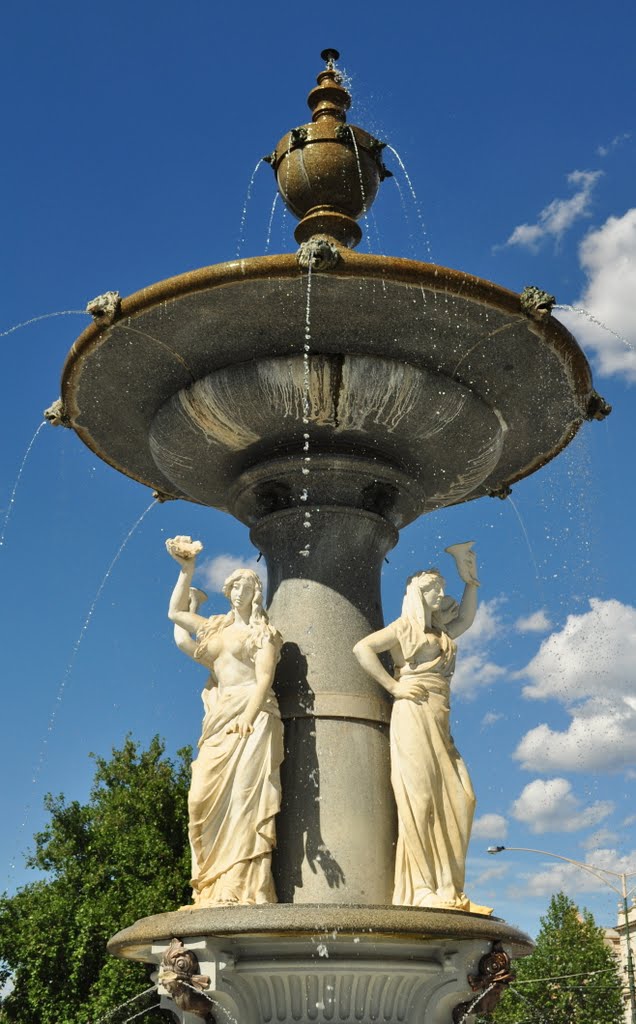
(568, 943)
(121, 856)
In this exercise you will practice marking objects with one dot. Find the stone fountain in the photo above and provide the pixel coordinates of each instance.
(326, 399)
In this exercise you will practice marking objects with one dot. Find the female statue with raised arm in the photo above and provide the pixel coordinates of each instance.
(434, 796)
(235, 790)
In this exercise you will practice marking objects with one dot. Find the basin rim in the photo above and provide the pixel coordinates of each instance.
(396, 269)
(304, 920)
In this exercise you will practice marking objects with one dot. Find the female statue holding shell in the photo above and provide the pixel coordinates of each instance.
(235, 790)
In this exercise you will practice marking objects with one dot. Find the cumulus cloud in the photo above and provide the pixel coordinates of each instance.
(537, 622)
(490, 826)
(588, 667)
(474, 667)
(608, 257)
(211, 574)
(559, 215)
(602, 837)
(568, 878)
(549, 805)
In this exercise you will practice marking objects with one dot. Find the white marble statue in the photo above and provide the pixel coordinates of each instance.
(235, 790)
(434, 796)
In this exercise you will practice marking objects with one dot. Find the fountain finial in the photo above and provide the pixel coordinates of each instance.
(328, 172)
(329, 56)
(329, 98)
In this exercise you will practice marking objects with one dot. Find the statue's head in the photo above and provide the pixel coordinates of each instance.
(429, 584)
(425, 592)
(243, 589)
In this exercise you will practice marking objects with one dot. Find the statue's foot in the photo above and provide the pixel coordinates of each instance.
(477, 908)
(438, 901)
(204, 904)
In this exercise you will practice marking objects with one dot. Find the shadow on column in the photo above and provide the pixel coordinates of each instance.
(298, 824)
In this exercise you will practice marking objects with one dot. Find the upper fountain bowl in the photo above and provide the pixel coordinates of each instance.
(423, 387)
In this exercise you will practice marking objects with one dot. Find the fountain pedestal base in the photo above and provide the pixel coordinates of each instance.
(294, 964)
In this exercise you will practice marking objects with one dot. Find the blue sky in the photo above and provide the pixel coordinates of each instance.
(131, 132)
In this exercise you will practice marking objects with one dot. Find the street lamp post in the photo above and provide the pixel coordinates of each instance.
(623, 892)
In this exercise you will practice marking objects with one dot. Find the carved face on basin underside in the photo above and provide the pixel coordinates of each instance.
(392, 417)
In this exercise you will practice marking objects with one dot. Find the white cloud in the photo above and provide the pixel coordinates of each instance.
(487, 625)
(537, 622)
(555, 218)
(613, 143)
(549, 805)
(474, 669)
(214, 572)
(490, 826)
(602, 837)
(611, 860)
(489, 875)
(558, 878)
(608, 257)
(568, 878)
(588, 667)
(491, 717)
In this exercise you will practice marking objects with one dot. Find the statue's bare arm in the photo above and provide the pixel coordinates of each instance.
(178, 611)
(466, 562)
(367, 651)
(264, 666)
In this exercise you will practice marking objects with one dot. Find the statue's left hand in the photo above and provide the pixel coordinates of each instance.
(466, 562)
(242, 726)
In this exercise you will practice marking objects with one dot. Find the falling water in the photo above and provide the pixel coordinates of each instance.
(541, 1019)
(355, 147)
(527, 539)
(376, 231)
(306, 406)
(69, 668)
(209, 998)
(142, 1013)
(146, 991)
(44, 316)
(416, 204)
(475, 1001)
(7, 515)
(364, 197)
(271, 221)
(248, 196)
(594, 320)
(407, 219)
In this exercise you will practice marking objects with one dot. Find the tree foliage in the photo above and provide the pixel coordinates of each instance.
(568, 943)
(121, 856)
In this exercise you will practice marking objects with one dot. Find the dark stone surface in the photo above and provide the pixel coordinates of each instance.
(282, 919)
(465, 333)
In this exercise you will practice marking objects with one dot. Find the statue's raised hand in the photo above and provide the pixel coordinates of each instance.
(184, 550)
(465, 560)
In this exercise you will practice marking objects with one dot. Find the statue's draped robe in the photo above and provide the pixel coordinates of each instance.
(434, 796)
(234, 798)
